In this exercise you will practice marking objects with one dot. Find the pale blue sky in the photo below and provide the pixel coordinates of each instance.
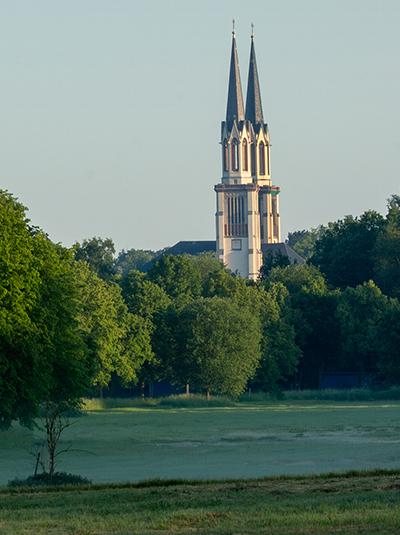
(111, 111)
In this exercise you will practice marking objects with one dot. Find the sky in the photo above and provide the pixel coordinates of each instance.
(111, 111)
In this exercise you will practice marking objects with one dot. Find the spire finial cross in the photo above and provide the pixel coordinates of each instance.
(252, 30)
(233, 24)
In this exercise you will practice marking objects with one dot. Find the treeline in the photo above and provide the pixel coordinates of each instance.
(76, 321)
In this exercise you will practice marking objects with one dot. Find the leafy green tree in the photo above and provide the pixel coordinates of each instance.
(303, 241)
(42, 356)
(388, 343)
(280, 355)
(177, 276)
(148, 301)
(271, 261)
(361, 312)
(99, 254)
(216, 346)
(310, 310)
(118, 342)
(344, 251)
(206, 263)
(133, 259)
(386, 251)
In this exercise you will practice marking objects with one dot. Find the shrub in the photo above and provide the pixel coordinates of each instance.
(56, 480)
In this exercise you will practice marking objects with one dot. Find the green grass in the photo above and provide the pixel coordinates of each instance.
(175, 401)
(238, 440)
(363, 502)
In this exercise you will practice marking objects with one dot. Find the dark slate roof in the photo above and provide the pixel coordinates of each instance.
(234, 108)
(284, 249)
(254, 112)
(184, 247)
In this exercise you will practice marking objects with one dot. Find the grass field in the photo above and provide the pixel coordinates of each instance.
(363, 503)
(237, 441)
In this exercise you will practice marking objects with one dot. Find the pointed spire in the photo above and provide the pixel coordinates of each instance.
(254, 112)
(234, 108)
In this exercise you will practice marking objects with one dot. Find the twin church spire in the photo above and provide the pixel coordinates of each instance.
(247, 215)
(235, 109)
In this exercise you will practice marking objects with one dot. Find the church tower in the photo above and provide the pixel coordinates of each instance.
(247, 214)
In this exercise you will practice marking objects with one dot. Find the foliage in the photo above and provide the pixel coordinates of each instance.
(360, 312)
(55, 480)
(303, 241)
(99, 254)
(42, 357)
(386, 252)
(177, 276)
(310, 309)
(273, 260)
(215, 345)
(133, 259)
(206, 263)
(117, 340)
(344, 251)
(280, 354)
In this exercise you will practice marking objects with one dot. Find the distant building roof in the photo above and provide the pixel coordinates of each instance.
(284, 249)
(184, 247)
(204, 246)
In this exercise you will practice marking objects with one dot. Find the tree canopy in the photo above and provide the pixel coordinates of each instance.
(42, 356)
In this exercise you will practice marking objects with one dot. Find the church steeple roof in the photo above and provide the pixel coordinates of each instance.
(254, 112)
(234, 108)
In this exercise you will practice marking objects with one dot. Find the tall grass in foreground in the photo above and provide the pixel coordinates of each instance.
(362, 503)
(354, 394)
(182, 401)
(193, 401)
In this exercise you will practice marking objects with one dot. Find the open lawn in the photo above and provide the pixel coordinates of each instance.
(238, 441)
(364, 503)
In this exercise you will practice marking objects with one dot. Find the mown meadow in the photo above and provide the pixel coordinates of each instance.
(119, 441)
(354, 503)
(190, 466)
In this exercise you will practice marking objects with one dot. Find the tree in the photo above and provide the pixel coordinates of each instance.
(386, 251)
(118, 342)
(99, 254)
(42, 356)
(177, 276)
(310, 310)
(361, 311)
(344, 251)
(271, 261)
(133, 259)
(279, 353)
(216, 346)
(206, 263)
(148, 301)
(303, 241)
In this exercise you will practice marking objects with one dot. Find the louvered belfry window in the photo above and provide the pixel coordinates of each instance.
(236, 220)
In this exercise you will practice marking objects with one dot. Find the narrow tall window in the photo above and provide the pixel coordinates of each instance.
(253, 158)
(235, 155)
(226, 157)
(245, 156)
(267, 149)
(261, 149)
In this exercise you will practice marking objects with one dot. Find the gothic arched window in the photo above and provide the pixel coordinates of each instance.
(253, 158)
(245, 156)
(226, 157)
(235, 155)
(261, 149)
